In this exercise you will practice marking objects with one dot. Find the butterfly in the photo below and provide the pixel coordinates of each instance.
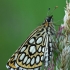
(36, 50)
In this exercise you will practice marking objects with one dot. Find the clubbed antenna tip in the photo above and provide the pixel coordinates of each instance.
(56, 7)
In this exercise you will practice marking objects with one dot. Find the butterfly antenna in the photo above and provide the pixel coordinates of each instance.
(48, 11)
(57, 21)
(54, 9)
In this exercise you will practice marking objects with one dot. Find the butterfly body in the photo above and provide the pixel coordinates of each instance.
(35, 50)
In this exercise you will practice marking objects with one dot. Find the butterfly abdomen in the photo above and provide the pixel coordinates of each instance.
(49, 42)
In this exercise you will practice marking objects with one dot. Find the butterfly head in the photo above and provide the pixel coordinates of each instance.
(49, 18)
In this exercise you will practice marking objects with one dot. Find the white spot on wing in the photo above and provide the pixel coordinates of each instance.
(32, 49)
(39, 40)
(32, 61)
(36, 68)
(16, 64)
(50, 53)
(7, 66)
(32, 40)
(46, 50)
(15, 57)
(50, 39)
(46, 64)
(46, 54)
(49, 32)
(25, 59)
(28, 61)
(22, 56)
(37, 59)
(50, 44)
(20, 68)
(50, 57)
(39, 50)
(46, 59)
(43, 49)
(51, 48)
(42, 58)
(30, 69)
(22, 49)
(11, 69)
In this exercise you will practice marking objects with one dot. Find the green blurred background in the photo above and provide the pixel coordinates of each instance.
(18, 18)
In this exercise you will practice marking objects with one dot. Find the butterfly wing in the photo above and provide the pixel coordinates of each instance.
(30, 54)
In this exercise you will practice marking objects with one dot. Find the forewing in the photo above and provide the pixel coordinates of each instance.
(30, 54)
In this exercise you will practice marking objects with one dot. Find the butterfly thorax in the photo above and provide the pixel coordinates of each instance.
(48, 21)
